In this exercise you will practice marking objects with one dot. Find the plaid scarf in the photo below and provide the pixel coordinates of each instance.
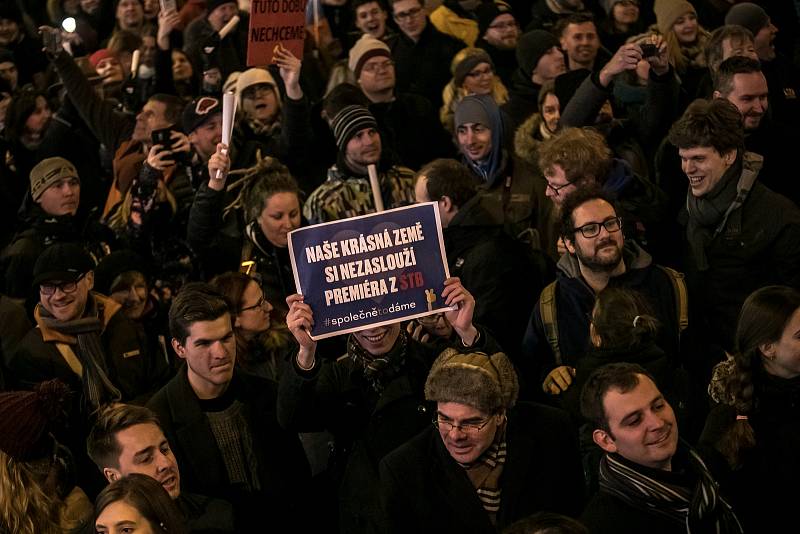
(378, 370)
(485, 472)
(699, 509)
(97, 387)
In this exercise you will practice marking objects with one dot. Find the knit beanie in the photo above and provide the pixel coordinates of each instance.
(668, 11)
(25, 417)
(211, 5)
(471, 110)
(366, 47)
(465, 61)
(486, 382)
(531, 47)
(750, 16)
(488, 11)
(10, 11)
(348, 122)
(49, 171)
(252, 77)
(567, 84)
(100, 55)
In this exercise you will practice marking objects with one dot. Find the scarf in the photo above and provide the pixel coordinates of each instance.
(97, 387)
(485, 473)
(378, 371)
(700, 509)
(709, 214)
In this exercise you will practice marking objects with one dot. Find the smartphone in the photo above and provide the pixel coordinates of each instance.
(163, 137)
(51, 40)
(649, 50)
(168, 5)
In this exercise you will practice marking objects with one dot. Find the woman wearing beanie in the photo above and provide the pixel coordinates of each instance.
(486, 460)
(37, 492)
(686, 40)
(623, 21)
(473, 74)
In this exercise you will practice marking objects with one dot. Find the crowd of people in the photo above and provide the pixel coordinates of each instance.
(621, 227)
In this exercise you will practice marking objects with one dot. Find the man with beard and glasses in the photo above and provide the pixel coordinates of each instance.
(372, 399)
(127, 439)
(498, 33)
(597, 257)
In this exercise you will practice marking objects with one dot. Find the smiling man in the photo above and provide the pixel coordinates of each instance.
(741, 235)
(221, 422)
(127, 439)
(649, 481)
(480, 466)
(371, 399)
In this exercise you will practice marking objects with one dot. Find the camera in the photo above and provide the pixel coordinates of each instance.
(163, 137)
(649, 50)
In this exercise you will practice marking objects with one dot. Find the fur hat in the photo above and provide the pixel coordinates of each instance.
(668, 11)
(465, 61)
(748, 15)
(349, 121)
(366, 47)
(531, 47)
(488, 11)
(49, 171)
(486, 382)
(25, 417)
(252, 77)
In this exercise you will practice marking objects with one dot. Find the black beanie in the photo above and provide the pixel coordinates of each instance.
(531, 47)
(748, 15)
(566, 84)
(211, 5)
(348, 122)
(488, 11)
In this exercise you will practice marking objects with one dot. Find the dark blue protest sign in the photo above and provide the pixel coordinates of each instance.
(371, 270)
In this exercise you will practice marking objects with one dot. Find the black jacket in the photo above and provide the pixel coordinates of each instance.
(425, 491)
(282, 466)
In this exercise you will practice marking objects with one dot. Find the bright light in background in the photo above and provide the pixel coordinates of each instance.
(68, 24)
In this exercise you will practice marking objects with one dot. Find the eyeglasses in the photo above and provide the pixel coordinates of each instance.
(259, 304)
(592, 229)
(372, 68)
(430, 320)
(65, 287)
(470, 429)
(253, 91)
(556, 188)
(405, 15)
(483, 72)
(503, 25)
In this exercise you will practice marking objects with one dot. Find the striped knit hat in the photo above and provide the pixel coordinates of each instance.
(25, 417)
(349, 121)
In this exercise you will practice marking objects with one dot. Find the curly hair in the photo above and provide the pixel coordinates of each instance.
(581, 152)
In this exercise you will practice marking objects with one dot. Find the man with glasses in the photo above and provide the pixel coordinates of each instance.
(422, 54)
(498, 33)
(487, 460)
(408, 122)
(598, 256)
(83, 337)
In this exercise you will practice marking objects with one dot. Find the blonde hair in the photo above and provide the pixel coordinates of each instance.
(25, 508)
(118, 219)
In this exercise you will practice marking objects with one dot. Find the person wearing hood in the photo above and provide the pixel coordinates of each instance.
(506, 182)
(598, 256)
(347, 192)
(540, 59)
(740, 235)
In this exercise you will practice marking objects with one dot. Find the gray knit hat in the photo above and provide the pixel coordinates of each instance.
(486, 382)
(349, 121)
(748, 15)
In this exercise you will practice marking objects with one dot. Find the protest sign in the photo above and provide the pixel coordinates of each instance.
(275, 23)
(371, 270)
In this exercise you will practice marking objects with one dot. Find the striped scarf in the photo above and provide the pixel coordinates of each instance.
(701, 509)
(378, 370)
(485, 474)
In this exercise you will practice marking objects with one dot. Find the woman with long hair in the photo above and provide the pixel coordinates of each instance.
(756, 425)
(686, 40)
(141, 504)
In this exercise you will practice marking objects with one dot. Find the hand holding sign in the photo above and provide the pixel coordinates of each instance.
(455, 294)
(300, 319)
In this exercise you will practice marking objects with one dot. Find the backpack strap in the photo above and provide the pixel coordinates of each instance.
(547, 310)
(678, 281)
